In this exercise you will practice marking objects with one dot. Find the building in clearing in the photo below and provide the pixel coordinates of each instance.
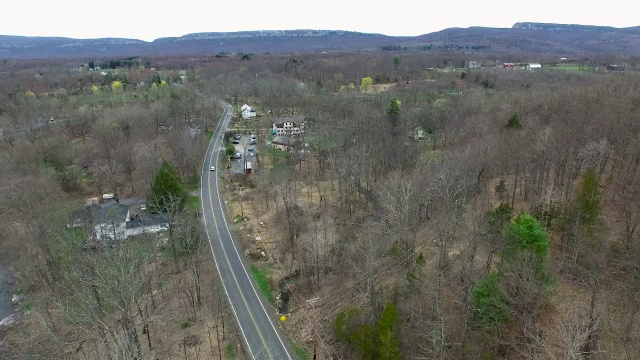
(533, 66)
(247, 112)
(288, 127)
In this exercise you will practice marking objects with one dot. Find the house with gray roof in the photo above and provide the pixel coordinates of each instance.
(146, 224)
(112, 223)
(285, 143)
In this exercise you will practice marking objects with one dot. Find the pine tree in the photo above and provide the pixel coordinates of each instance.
(167, 190)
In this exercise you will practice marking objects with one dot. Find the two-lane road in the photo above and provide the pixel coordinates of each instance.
(262, 339)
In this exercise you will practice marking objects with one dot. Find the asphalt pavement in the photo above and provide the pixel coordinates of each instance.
(256, 319)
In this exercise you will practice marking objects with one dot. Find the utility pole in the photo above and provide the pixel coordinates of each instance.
(241, 210)
(315, 348)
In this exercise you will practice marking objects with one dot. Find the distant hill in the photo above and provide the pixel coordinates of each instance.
(523, 37)
(539, 38)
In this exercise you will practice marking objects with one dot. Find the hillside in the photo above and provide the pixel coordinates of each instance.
(535, 38)
(527, 38)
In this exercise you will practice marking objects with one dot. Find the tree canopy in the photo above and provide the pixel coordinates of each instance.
(490, 304)
(366, 84)
(526, 234)
(166, 190)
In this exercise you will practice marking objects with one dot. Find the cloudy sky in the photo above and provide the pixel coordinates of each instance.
(149, 20)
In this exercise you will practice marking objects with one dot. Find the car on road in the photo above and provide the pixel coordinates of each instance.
(213, 168)
(253, 142)
(237, 136)
(237, 155)
(235, 141)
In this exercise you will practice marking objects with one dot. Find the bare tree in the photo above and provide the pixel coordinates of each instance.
(566, 338)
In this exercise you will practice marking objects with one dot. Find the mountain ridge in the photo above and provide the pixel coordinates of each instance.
(531, 37)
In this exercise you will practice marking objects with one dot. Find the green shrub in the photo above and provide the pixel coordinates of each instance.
(490, 305)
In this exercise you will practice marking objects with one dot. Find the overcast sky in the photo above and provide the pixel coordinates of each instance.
(149, 20)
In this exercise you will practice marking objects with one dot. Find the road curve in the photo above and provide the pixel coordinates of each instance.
(261, 337)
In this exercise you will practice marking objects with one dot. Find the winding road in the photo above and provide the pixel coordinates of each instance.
(261, 337)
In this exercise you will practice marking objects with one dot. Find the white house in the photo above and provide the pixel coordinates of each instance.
(113, 223)
(533, 66)
(146, 224)
(109, 221)
(474, 64)
(288, 127)
(247, 112)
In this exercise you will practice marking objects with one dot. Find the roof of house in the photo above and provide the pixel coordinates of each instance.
(285, 140)
(101, 213)
(148, 220)
(279, 122)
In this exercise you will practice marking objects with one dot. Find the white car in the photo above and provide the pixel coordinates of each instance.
(213, 168)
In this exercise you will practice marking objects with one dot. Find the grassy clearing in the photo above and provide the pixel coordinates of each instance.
(193, 202)
(209, 135)
(193, 184)
(230, 352)
(571, 68)
(260, 276)
(300, 351)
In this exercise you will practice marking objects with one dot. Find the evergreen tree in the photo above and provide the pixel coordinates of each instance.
(514, 122)
(167, 190)
(525, 234)
(396, 63)
(393, 113)
(490, 304)
(588, 198)
(389, 345)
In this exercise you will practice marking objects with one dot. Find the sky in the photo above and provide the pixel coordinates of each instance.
(149, 20)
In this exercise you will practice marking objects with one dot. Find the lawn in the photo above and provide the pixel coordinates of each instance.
(300, 351)
(260, 276)
(571, 68)
(193, 202)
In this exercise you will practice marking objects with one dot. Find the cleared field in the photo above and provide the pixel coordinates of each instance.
(571, 68)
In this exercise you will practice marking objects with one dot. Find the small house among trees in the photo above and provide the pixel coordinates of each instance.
(247, 112)
(112, 223)
(288, 127)
(420, 134)
(285, 143)
(474, 64)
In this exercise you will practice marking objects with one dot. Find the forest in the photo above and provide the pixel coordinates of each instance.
(430, 210)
